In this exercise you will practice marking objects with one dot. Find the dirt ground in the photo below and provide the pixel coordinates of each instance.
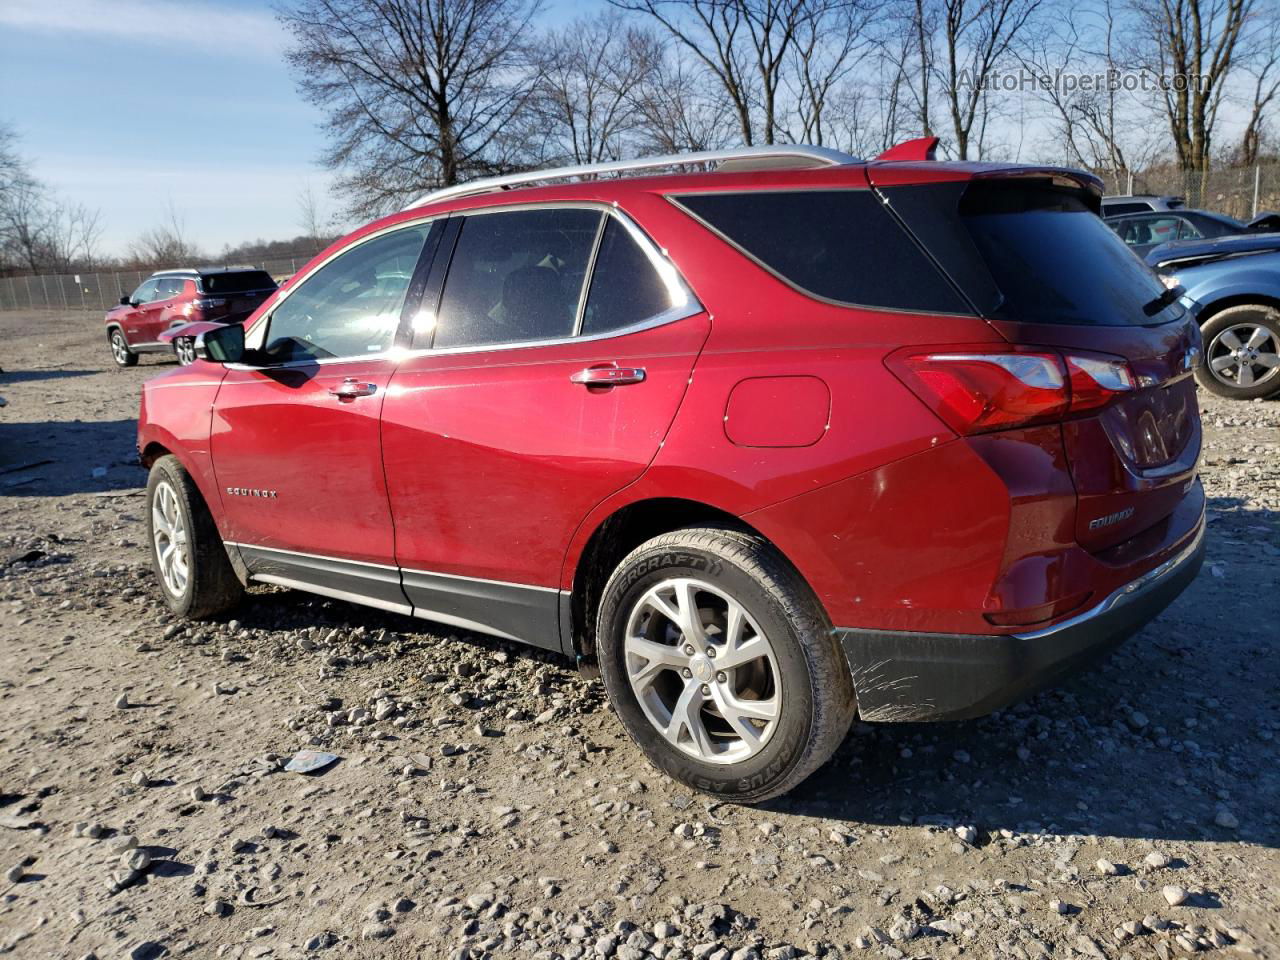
(486, 802)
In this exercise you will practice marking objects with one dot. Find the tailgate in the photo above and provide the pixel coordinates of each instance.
(1133, 461)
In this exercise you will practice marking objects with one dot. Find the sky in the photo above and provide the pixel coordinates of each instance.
(129, 105)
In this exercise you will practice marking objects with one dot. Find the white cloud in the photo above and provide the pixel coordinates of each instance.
(206, 27)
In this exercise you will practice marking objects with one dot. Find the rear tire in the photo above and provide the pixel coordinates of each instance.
(184, 349)
(1241, 343)
(120, 352)
(187, 554)
(764, 698)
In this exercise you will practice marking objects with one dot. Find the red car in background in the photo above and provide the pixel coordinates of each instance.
(172, 298)
(771, 444)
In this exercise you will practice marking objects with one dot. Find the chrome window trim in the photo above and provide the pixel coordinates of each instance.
(589, 276)
(658, 320)
(262, 323)
(675, 198)
(667, 272)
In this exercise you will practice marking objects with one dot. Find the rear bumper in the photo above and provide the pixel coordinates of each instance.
(903, 677)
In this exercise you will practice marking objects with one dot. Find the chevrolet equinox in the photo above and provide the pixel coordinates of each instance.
(771, 437)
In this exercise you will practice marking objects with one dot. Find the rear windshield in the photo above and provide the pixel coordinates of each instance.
(1031, 250)
(839, 245)
(237, 282)
(1053, 258)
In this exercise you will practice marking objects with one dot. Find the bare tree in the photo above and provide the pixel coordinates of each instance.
(311, 219)
(712, 31)
(1263, 70)
(419, 93)
(677, 111)
(826, 51)
(1191, 45)
(587, 75)
(165, 244)
(977, 36)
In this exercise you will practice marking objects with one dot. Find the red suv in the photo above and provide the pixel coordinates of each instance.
(770, 444)
(143, 321)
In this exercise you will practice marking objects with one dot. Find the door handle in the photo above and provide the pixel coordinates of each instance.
(608, 376)
(351, 388)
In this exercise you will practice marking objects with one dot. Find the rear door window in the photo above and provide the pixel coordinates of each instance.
(625, 287)
(516, 276)
(836, 245)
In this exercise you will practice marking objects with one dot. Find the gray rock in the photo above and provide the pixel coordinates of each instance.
(377, 931)
(1174, 895)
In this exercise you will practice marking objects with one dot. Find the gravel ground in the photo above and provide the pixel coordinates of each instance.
(486, 803)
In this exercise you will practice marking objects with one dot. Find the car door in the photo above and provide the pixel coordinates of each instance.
(141, 306)
(540, 394)
(160, 310)
(295, 435)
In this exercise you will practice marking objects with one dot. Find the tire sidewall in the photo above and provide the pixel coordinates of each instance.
(787, 744)
(1244, 313)
(163, 471)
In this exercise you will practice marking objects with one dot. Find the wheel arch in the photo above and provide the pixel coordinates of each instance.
(613, 538)
(1215, 307)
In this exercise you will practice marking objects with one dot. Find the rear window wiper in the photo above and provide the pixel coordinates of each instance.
(1159, 303)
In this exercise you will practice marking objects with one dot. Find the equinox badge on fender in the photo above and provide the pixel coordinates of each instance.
(1111, 518)
(267, 494)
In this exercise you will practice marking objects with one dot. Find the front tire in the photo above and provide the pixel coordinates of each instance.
(721, 664)
(120, 351)
(190, 562)
(1242, 352)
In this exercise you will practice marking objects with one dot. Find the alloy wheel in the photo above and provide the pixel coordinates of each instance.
(169, 533)
(1244, 355)
(119, 349)
(185, 350)
(703, 671)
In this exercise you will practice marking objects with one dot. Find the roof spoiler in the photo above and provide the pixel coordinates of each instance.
(909, 151)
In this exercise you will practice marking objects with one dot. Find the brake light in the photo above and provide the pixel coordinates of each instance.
(1096, 380)
(984, 389)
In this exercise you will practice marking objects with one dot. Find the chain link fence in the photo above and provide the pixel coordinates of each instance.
(102, 291)
(1240, 192)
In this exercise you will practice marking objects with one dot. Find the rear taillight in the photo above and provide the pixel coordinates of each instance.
(1097, 380)
(984, 389)
(207, 303)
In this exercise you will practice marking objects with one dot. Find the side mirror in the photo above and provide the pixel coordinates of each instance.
(125, 301)
(223, 345)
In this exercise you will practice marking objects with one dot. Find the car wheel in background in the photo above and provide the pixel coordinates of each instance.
(120, 351)
(184, 348)
(721, 664)
(187, 554)
(1242, 352)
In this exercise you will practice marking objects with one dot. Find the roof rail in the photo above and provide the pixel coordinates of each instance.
(784, 156)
